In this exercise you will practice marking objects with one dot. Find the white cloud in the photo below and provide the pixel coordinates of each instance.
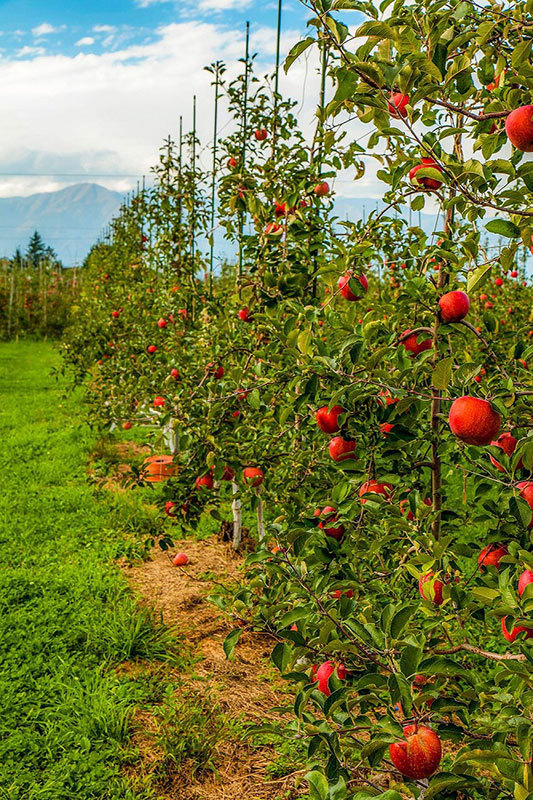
(30, 51)
(85, 42)
(146, 3)
(127, 101)
(222, 5)
(104, 29)
(45, 29)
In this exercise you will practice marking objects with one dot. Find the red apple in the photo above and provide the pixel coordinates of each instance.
(331, 517)
(346, 291)
(180, 560)
(491, 555)
(342, 449)
(280, 209)
(412, 345)
(244, 314)
(127, 425)
(260, 134)
(419, 756)
(454, 306)
(473, 420)
(162, 323)
(511, 635)
(338, 593)
(519, 128)
(174, 373)
(228, 474)
(397, 103)
(169, 505)
(374, 487)
(232, 162)
(159, 402)
(321, 189)
(273, 229)
(525, 579)
(253, 475)
(327, 419)
(514, 273)
(115, 314)
(404, 505)
(507, 443)
(435, 597)
(204, 480)
(498, 282)
(324, 673)
(152, 348)
(425, 182)
(526, 493)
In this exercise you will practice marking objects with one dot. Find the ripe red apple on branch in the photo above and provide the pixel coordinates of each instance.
(519, 128)
(204, 481)
(348, 286)
(374, 487)
(425, 181)
(431, 588)
(327, 419)
(526, 493)
(324, 673)
(397, 104)
(507, 443)
(254, 476)
(412, 345)
(321, 189)
(491, 555)
(419, 755)
(342, 449)
(330, 514)
(453, 306)
(473, 420)
(261, 134)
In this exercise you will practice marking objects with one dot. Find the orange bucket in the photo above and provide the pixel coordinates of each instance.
(159, 468)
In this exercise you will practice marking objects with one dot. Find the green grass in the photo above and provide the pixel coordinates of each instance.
(66, 615)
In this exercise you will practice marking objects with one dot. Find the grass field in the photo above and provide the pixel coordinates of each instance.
(66, 614)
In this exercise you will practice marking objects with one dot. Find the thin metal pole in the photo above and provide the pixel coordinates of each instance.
(193, 191)
(214, 181)
(244, 135)
(278, 43)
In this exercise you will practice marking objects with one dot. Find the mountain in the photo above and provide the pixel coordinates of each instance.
(69, 220)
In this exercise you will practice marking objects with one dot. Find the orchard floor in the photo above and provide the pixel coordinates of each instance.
(113, 680)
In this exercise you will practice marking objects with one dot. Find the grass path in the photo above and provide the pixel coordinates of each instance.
(66, 615)
(98, 698)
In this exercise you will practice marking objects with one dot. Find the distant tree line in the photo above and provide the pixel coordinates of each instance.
(38, 254)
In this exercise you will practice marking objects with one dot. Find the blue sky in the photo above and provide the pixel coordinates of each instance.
(70, 27)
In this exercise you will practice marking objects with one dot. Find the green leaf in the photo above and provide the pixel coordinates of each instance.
(297, 51)
(400, 620)
(375, 28)
(448, 781)
(520, 510)
(303, 341)
(477, 277)
(409, 660)
(254, 399)
(230, 641)
(318, 785)
(503, 227)
(442, 373)
(293, 616)
(281, 656)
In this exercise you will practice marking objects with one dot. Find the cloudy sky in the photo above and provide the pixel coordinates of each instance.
(89, 89)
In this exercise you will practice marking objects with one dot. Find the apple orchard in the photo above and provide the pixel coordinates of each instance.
(363, 385)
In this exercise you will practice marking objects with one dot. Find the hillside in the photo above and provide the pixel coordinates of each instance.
(69, 220)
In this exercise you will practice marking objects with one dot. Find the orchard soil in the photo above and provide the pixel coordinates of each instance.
(245, 688)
